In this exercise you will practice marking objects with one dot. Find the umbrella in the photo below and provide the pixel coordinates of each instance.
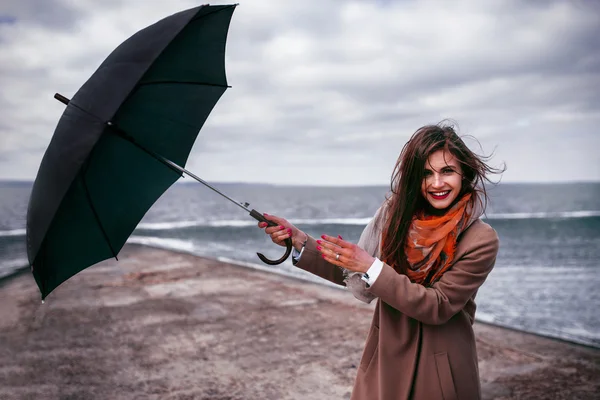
(122, 141)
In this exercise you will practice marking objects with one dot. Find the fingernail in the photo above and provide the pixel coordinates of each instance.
(319, 248)
(265, 214)
(318, 241)
(340, 237)
(281, 227)
(290, 230)
(323, 236)
(323, 255)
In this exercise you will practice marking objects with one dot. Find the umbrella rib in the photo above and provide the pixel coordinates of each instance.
(183, 83)
(92, 111)
(174, 167)
(96, 216)
(124, 135)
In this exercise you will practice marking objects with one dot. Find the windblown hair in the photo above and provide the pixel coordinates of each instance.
(406, 199)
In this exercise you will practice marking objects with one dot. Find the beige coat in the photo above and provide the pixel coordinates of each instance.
(421, 343)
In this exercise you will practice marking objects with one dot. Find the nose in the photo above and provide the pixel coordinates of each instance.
(436, 181)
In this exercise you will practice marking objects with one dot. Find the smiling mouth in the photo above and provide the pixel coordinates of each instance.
(439, 195)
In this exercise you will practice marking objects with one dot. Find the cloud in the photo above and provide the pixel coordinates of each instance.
(329, 91)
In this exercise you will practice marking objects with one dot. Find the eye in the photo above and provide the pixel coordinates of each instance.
(448, 171)
(427, 173)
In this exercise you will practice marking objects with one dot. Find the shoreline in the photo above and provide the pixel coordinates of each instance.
(259, 267)
(160, 324)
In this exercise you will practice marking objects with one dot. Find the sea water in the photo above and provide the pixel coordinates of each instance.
(545, 280)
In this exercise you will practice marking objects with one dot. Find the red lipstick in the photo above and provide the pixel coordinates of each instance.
(440, 197)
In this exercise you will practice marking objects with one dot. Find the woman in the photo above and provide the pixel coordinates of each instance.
(423, 256)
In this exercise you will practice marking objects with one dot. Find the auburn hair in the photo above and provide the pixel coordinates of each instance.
(406, 200)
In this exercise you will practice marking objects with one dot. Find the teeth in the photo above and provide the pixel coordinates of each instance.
(441, 193)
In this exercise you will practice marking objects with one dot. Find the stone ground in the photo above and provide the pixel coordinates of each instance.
(164, 325)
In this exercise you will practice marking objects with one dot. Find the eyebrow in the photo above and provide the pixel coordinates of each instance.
(447, 166)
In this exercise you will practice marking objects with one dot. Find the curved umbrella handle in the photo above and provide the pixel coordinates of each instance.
(288, 242)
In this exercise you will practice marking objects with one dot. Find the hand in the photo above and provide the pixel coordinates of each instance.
(282, 231)
(352, 257)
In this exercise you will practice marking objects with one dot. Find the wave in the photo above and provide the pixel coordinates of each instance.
(235, 223)
(356, 221)
(169, 244)
(9, 267)
(333, 221)
(580, 336)
(544, 215)
(14, 263)
(13, 232)
(163, 226)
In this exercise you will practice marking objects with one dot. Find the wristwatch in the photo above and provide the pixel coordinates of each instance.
(365, 277)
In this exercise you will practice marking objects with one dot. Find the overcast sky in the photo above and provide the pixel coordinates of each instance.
(328, 91)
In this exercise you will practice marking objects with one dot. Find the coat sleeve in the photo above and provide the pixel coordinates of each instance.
(435, 305)
(312, 262)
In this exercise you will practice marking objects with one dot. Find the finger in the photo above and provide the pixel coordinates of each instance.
(331, 245)
(337, 240)
(274, 229)
(327, 246)
(279, 237)
(280, 233)
(332, 252)
(262, 225)
(331, 258)
(274, 218)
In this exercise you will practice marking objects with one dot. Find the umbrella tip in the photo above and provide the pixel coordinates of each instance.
(61, 98)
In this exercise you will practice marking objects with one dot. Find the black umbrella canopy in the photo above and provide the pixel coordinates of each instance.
(95, 181)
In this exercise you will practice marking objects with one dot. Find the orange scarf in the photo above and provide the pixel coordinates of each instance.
(431, 241)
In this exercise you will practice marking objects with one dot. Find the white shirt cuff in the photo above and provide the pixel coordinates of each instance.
(296, 255)
(374, 271)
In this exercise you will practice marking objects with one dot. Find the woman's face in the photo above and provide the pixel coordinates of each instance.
(442, 180)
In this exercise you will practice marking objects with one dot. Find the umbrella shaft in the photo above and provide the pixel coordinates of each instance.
(66, 101)
(118, 131)
(202, 181)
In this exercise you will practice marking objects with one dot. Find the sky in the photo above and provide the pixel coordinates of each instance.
(328, 91)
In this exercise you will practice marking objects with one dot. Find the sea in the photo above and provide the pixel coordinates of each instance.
(546, 279)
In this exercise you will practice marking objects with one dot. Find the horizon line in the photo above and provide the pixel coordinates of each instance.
(181, 182)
